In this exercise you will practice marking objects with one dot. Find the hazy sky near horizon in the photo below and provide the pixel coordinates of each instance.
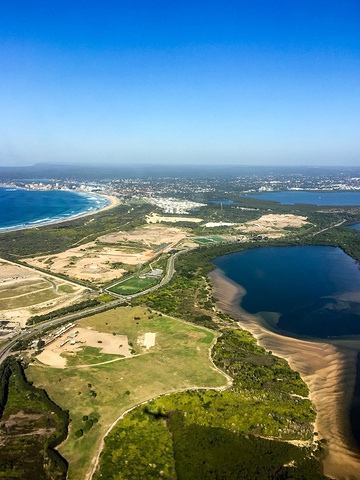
(206, 82)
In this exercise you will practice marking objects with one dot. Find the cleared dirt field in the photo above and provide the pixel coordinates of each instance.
(151, 236)
(273, 225)
(24, 291)
(168, 355)
(59, 356)
(155, 218)
(95, 261)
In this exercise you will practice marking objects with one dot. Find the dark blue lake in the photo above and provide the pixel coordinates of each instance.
(315, 198)
(28, 208)
(316, 290)
(354, 227)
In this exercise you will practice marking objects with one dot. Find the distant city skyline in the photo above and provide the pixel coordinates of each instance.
(206, 83)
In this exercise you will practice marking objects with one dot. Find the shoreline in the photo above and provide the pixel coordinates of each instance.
(113, 201)
(328, 369)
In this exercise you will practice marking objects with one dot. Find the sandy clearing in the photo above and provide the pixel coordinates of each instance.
(85, 337)
(329, 371)
(272, 224)
(155, 218)
(14, 276)
(93, 261)
(149, 235)
(149, 340)
(10, 272)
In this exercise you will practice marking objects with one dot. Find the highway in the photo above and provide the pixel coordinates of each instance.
(6, 349)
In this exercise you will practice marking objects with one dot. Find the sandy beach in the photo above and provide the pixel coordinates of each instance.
(328, 369)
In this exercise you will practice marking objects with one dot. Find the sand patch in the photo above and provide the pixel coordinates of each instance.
(273, 224)
(149, 340)
(155, 218)
(25, 292)
(83, 337)
(150, 236)
(95, 261)
(10, 272)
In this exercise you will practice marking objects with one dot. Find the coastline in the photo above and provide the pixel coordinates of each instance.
(329, 370)
(113, 201)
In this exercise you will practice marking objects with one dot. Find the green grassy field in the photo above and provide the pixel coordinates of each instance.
(209, 240)
(179, 360)
(133, 285)
(88, 356)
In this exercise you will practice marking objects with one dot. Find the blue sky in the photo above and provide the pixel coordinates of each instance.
(252, 82)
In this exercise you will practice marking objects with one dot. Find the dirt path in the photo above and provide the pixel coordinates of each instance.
(229, 382)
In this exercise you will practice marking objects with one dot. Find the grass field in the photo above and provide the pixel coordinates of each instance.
(20, 300)
(32, 291)
(22, 287)
(179, 360)
(209, 240)
(133, 285)
(89, 356)
(66, 288)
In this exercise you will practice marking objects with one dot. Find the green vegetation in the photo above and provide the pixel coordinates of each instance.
(31, 427)
(345, 238)
(211, 453)
(253, 368)
(76, 307)
(209, 434)
(179, 360)
(105, 298)
(88, 356)
(133, 285)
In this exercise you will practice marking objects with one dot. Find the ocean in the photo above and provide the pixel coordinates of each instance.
(21, 208)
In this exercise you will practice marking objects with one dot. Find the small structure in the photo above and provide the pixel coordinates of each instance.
(154, 273)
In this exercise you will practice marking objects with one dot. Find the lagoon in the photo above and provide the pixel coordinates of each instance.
(314, 290)
(290, 197)
(303, 291)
